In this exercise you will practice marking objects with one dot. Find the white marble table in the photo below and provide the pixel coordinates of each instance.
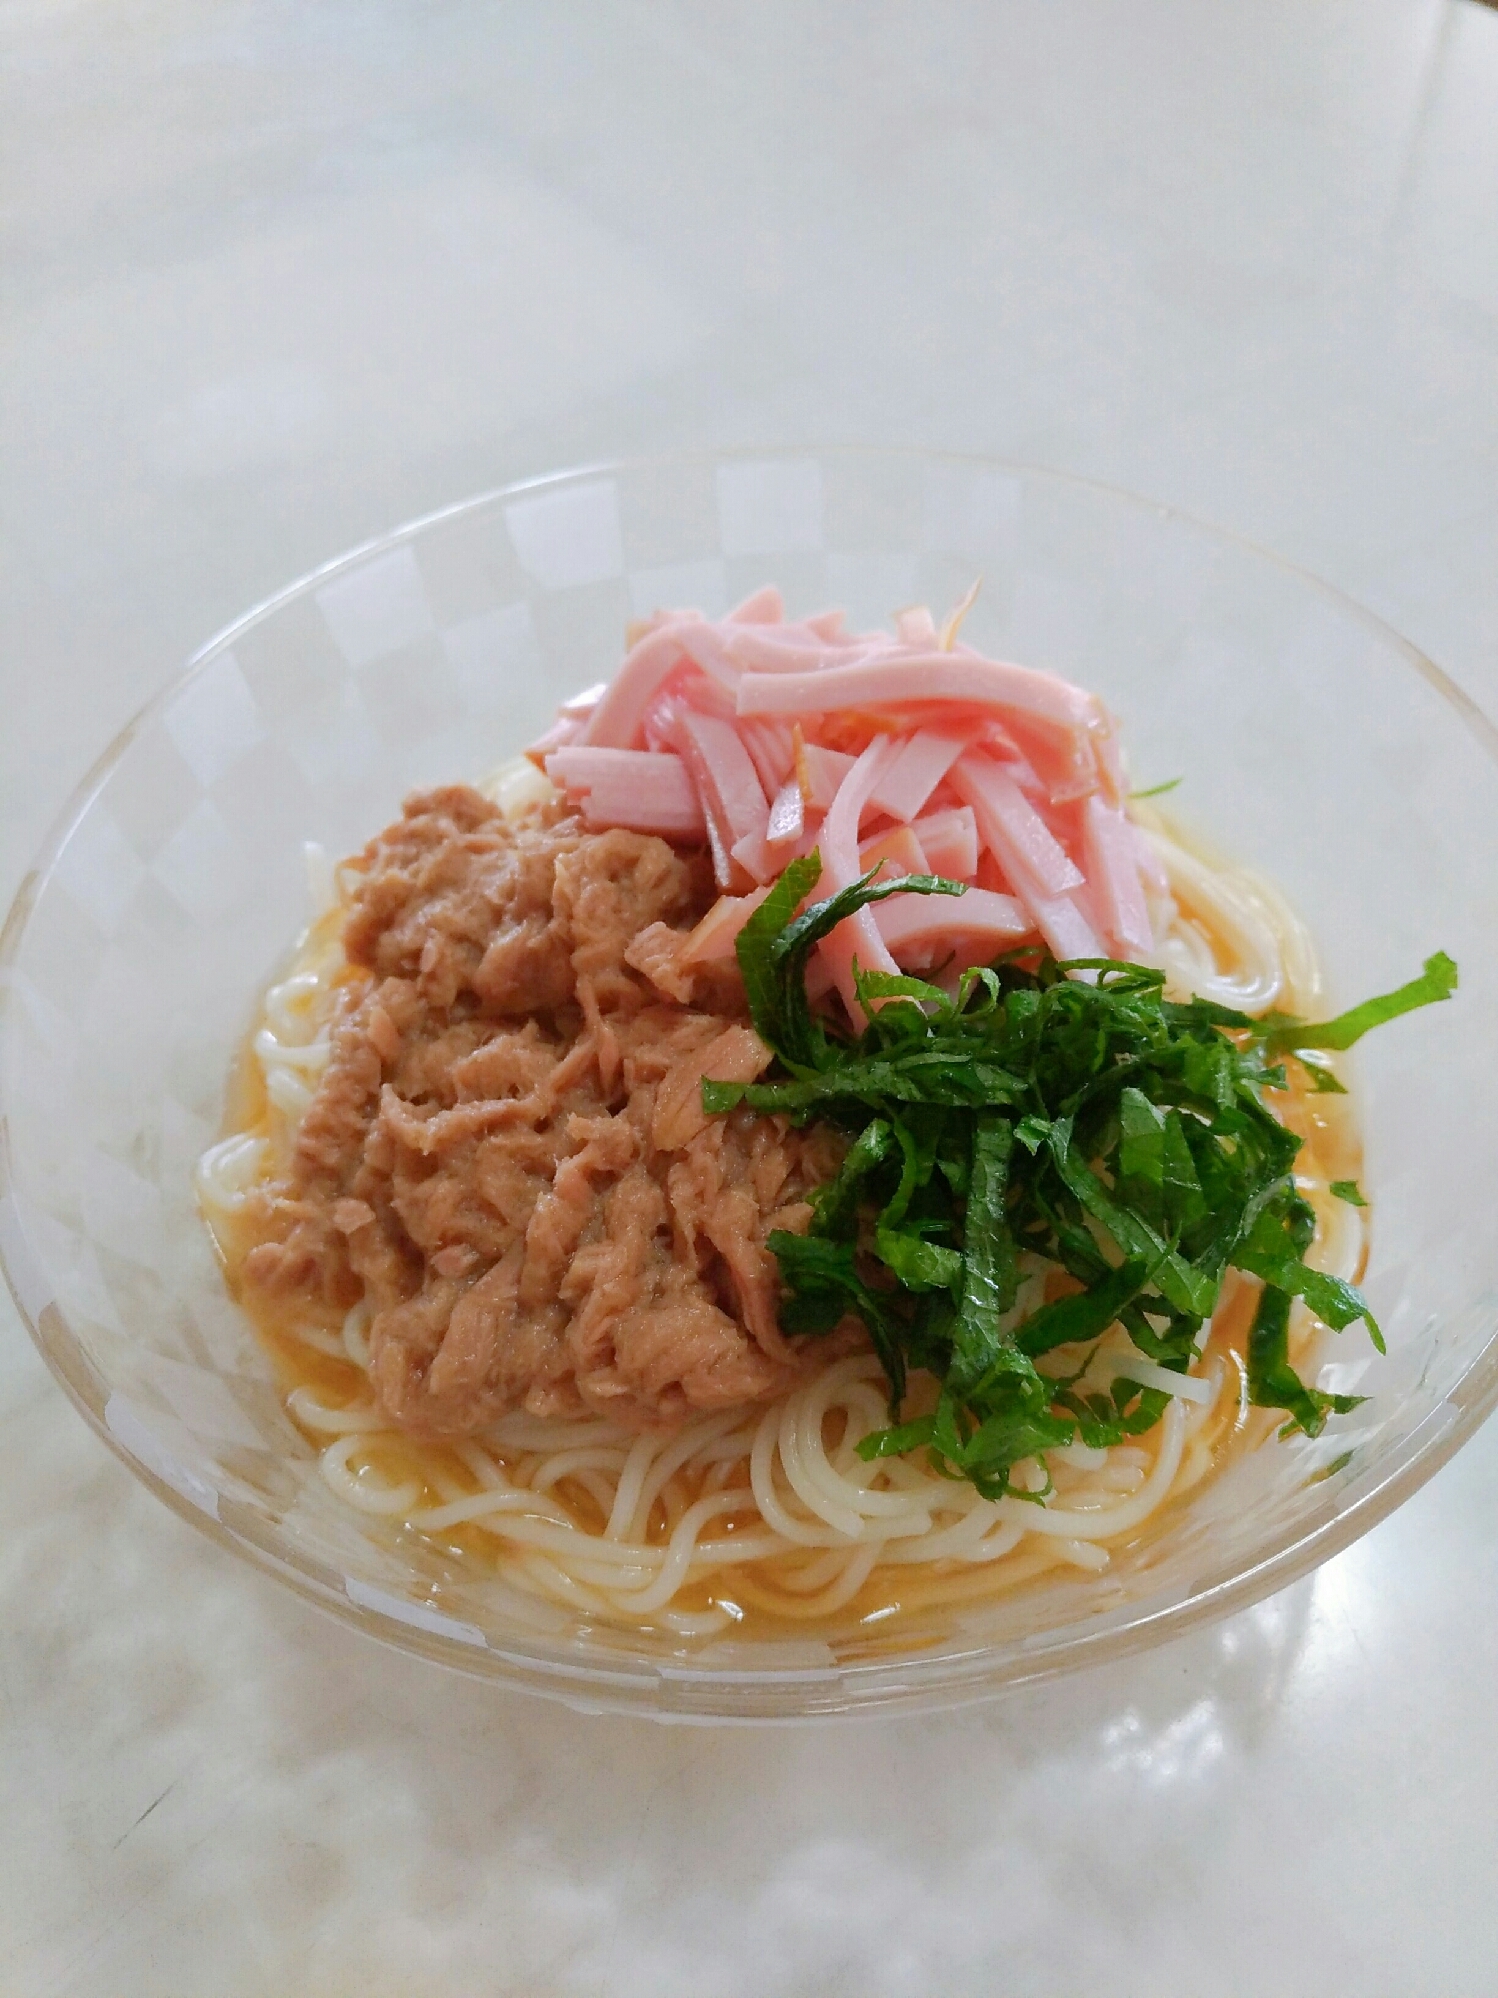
(274, 278)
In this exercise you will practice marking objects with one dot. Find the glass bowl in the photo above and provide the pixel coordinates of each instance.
(1315, 745)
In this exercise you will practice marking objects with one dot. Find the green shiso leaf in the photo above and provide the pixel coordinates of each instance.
(990, 1272)
(1087, 1315)
(1436, 982)
(775, 943)
(1033, 1160)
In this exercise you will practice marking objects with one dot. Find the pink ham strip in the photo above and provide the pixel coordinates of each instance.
(819, 980)
(764, 606)
(998, 740)
(733, 804)
(685, 689)
(703, 644)
(722, 764)
(635, 788)
(1109, 846)
(715, 694)
(787, 819)
(1057, 917)
(899, 850)
(1109, 761)
(693, 689)
(924, 759)
(792, 648)
(715, 936)
(810, 836)
(618, 720)
(1012, 829)
(577, 707)
(857, 936)
(826, 771)
(772, 747)
(1059, 766)
(986, 922)
(1064, 926)
(949, 841)
(562, 731)
(893, 679)
(759, 861)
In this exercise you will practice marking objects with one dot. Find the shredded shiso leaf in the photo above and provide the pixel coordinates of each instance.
(1045, 1119)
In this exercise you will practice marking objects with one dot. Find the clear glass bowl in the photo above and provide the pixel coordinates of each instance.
(1314, 744)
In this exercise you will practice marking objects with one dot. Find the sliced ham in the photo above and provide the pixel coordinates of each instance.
(724, 773)
(912, 675)
(1109, 757)
(898, 851)
(827, 624)
(822, 772)
(1012, 829)
(949, 840)
(923, 928)
(857, 937)
(690, 688)
(772, 749)
(792, 648)
(618, 720)
(1035, 866)
(916, 626)
(759, 860)
(820, 981)
(774, 648)
(787, 819)
(1064, 926)
(764, 606)
(577, 707)
(1111, 852)
(703, 645)
(1058, 765)
(924, 759)
(715, 936)
(633, 788)
(743, 732)
(562, 731)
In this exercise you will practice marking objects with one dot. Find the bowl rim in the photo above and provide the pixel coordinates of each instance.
(725, 1694)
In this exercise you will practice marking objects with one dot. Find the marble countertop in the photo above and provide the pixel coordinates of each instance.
(274, 278)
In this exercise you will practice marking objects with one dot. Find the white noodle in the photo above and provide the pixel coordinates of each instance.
(1232, 912)
(1135, 1367)
(228, 1172)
